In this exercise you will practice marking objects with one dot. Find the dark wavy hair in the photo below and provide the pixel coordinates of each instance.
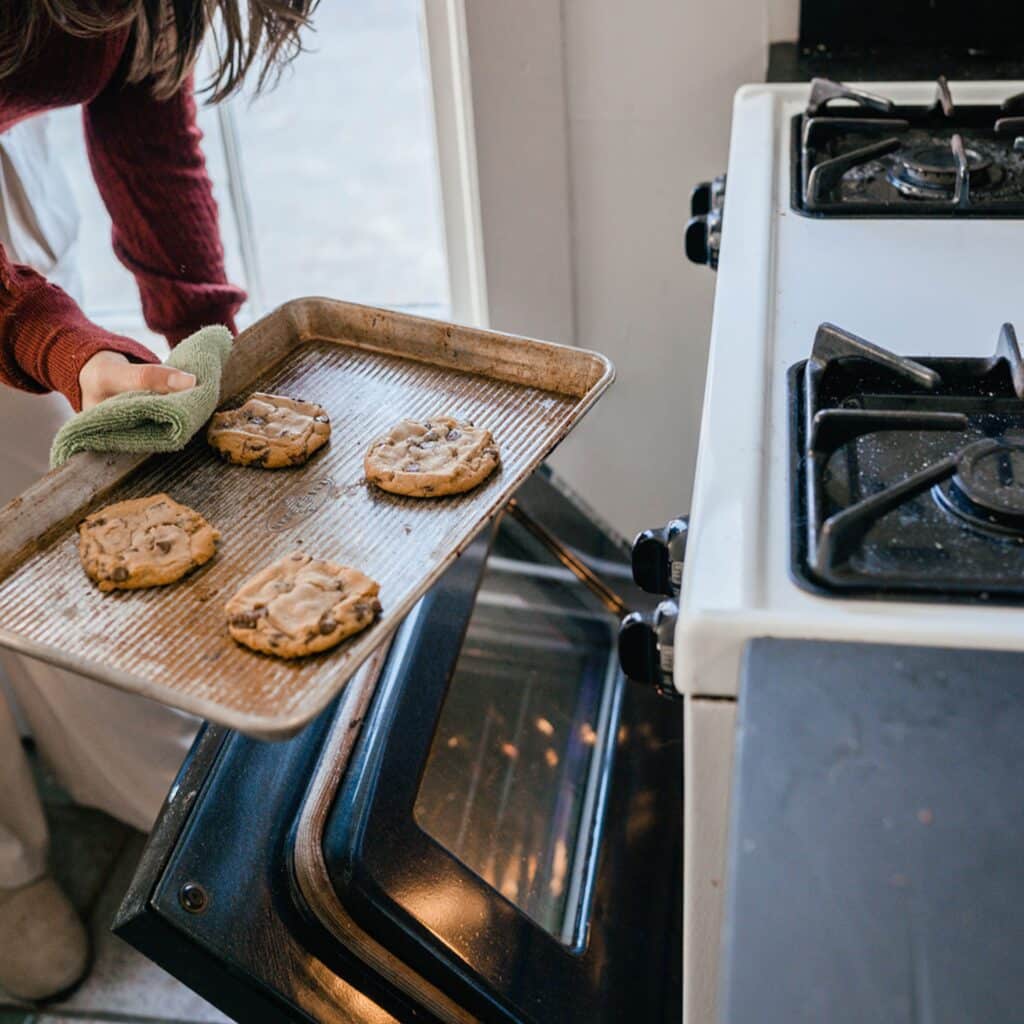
(166, 36)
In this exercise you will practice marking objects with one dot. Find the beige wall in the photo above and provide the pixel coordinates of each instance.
(594, 118)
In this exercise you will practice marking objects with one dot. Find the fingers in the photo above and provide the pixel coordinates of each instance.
(149, 377)
(109, 373)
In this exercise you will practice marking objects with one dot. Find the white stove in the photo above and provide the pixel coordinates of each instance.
(940, 286)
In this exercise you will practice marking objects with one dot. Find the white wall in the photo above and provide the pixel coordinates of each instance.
(783, 19)
(594, 118)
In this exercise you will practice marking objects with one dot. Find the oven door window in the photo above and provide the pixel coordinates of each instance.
(512, 781)
(496, 830)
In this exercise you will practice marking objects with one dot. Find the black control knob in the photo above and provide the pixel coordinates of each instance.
(658, 557)
(646, 651)
(700, 199)
(696, 240)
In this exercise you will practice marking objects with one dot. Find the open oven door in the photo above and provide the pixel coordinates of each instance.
(487, 824)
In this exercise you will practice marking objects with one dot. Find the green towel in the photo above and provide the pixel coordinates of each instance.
(142, 421)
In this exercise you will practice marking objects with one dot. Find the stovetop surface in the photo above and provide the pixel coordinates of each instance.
(856, 153)
(929, 287)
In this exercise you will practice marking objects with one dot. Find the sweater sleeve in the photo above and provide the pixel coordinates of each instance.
(45, 339)
(148, 164)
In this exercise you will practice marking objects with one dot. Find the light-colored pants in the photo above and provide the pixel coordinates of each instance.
(109, 749)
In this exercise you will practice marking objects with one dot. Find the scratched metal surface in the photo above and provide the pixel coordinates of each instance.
(368, 368)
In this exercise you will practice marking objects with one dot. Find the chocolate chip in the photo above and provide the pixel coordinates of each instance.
(163, 546)
(453, 435)
(248, 620)
(99, 522)
(120, 574)
(327, 624)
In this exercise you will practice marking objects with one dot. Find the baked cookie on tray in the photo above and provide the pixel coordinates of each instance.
(144, 542)
(269, 431)
(431, 459)
(300, 605)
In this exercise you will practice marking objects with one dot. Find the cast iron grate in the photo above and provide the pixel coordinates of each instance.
(908, 473)
(857, 154)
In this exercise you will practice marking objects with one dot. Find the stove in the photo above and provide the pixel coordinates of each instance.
(860, 475)
(856, 153)
(908, 473)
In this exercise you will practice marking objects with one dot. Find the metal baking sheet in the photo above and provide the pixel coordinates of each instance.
(368, 367)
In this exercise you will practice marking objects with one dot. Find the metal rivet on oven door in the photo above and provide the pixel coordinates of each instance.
(193, 898)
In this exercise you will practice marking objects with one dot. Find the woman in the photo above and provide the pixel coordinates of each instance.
(129, 63)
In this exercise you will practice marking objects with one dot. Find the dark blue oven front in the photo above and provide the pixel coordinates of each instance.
(486, 825)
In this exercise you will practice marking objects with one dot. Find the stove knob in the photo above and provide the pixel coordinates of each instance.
(658, 557)
(716, 193)
(696, 240)
(646, 647)
(714, 237)
(700, 199)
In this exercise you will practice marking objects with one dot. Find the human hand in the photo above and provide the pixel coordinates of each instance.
(109, 373)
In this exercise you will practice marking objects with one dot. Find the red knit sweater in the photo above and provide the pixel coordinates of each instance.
(149, 167)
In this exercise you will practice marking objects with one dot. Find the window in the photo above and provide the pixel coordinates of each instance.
(327, 185)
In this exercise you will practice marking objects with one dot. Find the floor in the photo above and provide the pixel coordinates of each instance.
(94, 857)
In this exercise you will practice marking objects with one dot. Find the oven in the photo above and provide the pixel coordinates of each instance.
(857, 517)
(485, 825)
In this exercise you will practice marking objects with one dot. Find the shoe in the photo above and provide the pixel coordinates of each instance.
(44, 949)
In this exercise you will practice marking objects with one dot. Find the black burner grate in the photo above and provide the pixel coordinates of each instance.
(909, 474)
(857, 154)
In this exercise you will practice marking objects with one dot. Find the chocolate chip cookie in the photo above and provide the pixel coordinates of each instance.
(299, 605)
(431, 459)
(269, 431)
(144, 542)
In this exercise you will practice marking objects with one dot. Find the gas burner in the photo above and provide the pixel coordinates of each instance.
(987, 489)
(909, 474)
(931, 172)
(856, 154)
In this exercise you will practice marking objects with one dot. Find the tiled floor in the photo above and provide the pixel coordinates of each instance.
(94, 857)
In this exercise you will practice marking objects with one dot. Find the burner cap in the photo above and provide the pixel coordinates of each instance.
(988, 486)
(929, 172)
